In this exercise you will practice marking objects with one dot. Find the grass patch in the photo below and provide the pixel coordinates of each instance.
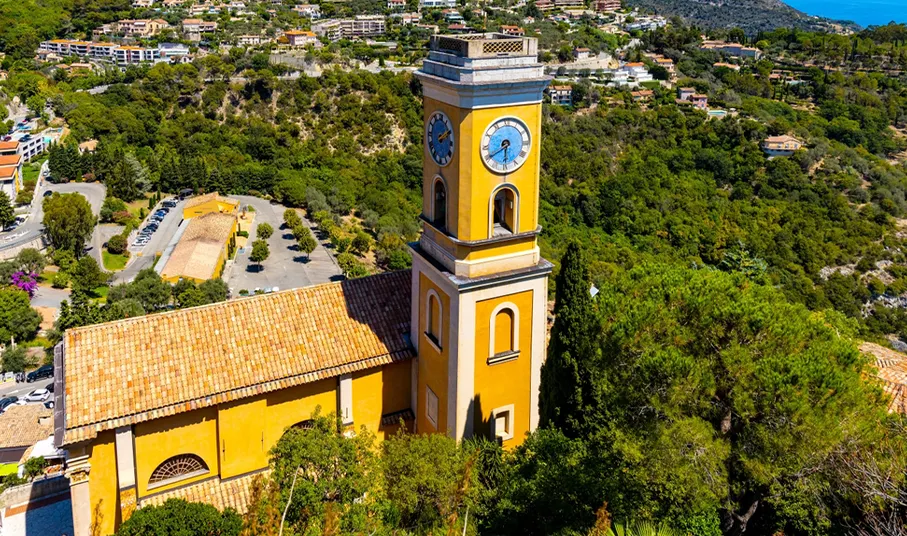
(47, 276)
(113, 262)
(37, 341)
(99, 294)
(135, 207)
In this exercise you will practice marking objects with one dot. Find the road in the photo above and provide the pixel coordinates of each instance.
(11, 388)
(286, 267)
(33, 228)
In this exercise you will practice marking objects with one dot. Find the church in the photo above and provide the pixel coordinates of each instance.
(187, 404)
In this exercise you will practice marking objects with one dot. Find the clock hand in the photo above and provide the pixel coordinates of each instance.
(504, 145)
(444, 136)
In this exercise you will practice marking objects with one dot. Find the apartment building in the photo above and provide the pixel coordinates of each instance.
(606, 6)
(309, 11)
(437, 4)
(362, 26)
(329, 29)
(140, 28)
(731, 49)
(408, 18)
(252, 40)
(396, 5)
(512, 30)
(130, 55)
(301, 38)
(142, 3)
(198, 26)
(561, 95)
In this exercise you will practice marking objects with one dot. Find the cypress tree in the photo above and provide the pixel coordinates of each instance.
(566, 376)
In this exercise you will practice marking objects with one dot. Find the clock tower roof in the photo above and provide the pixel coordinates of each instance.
(483, 70)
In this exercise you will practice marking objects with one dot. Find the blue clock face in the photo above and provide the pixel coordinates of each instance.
(505, 145)
(439, 138)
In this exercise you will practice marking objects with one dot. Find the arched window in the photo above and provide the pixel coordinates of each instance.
(177, 468)
(307, 424)
(504, 333)
(439, 204)
(433, 318)
(504, 211)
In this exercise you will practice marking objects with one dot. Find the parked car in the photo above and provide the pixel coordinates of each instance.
(7, 402)
(47, 371)
(47, 193)
(49, 404)
(38, 395)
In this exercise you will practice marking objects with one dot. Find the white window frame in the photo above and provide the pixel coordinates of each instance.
(493, 331)
(430, 397)
(507, 434)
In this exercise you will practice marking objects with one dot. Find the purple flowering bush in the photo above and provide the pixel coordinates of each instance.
(26, 281)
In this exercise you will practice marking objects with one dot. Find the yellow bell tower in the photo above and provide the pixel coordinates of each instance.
(479, 283)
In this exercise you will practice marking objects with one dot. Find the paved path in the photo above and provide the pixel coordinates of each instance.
(286, 267)
(49, 297)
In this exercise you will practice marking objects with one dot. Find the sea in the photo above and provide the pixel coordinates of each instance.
(863, 12)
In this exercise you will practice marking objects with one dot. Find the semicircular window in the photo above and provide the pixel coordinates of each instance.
(178, 468)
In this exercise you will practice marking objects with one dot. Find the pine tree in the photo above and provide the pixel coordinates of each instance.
(7, 213)
(566, 382)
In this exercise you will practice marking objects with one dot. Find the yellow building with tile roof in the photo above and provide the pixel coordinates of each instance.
(187, 404)
(203, 249)
(208, 203)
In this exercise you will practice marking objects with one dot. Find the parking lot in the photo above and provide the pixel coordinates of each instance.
(286, 267)
(143, 253)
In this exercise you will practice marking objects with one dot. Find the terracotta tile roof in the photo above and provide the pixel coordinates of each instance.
(782, 139)
(892, 370)
(143, 368)
(6, 145)
(8, 172)
(234, 493)
(211, 226)
(10, 160)
(22, 426)
(200, 199)
(196, 258)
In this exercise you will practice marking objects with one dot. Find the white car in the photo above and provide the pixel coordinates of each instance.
(38, 395)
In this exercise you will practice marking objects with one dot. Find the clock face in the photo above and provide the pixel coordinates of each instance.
(439, 138)
(505, 145)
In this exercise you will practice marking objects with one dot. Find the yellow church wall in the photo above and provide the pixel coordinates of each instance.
(504, 383)
(291, 406)
(102, 483)
(432, 363)
(476, 204)
(241, 430)
(450, 172)
(381, 391)
(495, 250)
(193, 432)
